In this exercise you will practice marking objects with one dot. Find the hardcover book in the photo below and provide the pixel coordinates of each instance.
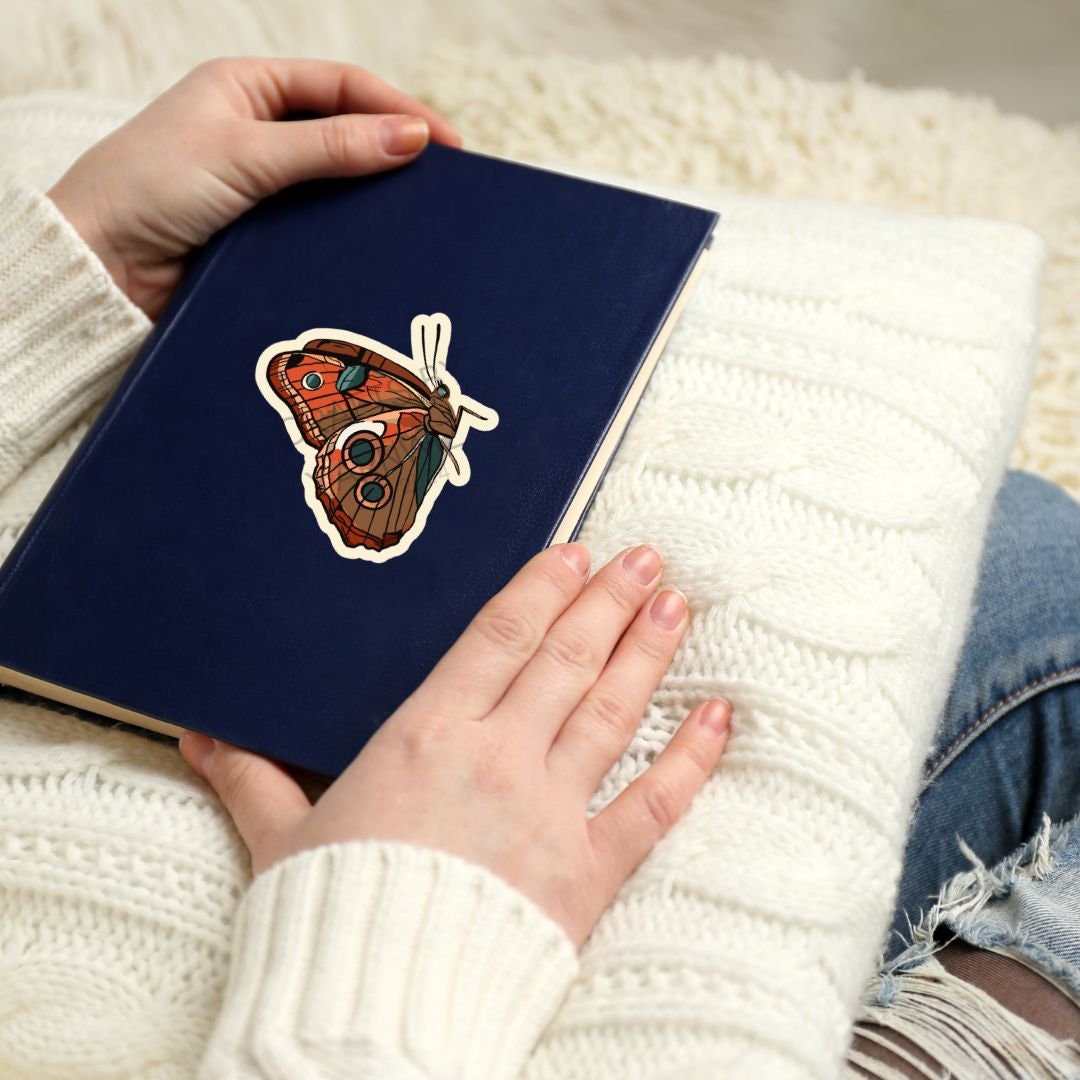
(368, 404)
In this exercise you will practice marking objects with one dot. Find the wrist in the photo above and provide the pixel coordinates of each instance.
(85, 222)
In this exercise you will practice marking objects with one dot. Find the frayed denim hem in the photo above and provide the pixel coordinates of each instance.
(1027, 907)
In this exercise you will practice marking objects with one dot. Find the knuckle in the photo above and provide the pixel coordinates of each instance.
(338, 138)
(508, 630)
(234, 778)
(609, 714)
(619, 592)
(559, 575)
(422, 735)
(215, 68)
(571, 650)
(654, 648)
(662, 804)
(253, 169)
(701, 761)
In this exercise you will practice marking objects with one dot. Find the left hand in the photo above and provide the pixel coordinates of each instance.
(209, 148)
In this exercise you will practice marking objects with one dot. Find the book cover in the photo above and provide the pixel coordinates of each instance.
(368, 404)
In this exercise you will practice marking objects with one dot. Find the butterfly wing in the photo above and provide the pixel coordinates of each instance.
(330, 384)
(369, 419)
(372, 476)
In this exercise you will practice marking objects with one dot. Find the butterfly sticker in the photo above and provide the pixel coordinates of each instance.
(381, 433)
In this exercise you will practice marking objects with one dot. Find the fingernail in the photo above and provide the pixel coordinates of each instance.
(197, 748)
(668, 609)
(577, 556)
(642, 564)
(716, 716)
(401, 135)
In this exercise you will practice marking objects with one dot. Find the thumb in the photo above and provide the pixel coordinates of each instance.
(346, 144)
(261, 798)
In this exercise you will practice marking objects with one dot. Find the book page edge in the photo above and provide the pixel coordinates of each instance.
(602, 458)
(43, 688)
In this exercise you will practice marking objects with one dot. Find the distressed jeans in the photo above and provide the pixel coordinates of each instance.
(1007, 751)
(993, 856)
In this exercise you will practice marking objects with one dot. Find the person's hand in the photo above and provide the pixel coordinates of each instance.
(496, 754)
(211, 146)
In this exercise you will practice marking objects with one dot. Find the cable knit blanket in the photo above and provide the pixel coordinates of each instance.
(816, 456)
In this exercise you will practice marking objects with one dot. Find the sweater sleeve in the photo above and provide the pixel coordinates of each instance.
(373, 958)
(66, 328)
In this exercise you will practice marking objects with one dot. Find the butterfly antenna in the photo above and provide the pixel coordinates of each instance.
(431, 353)
(424, 354)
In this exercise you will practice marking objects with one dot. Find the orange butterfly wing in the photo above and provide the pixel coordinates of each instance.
(368, 418)
(363, 478)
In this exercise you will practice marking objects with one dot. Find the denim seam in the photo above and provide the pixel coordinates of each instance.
(992, 715)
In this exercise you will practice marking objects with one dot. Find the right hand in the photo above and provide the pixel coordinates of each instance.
(497, 753)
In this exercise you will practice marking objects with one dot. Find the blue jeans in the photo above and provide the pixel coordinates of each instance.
(1007, 751)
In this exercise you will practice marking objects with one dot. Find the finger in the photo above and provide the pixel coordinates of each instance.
(576, 649)
(261, 798)
(277, 155)
(626, 830)
(470, 680)
(601, 727)
(281, 85)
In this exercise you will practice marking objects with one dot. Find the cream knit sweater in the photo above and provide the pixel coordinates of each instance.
(816, 456)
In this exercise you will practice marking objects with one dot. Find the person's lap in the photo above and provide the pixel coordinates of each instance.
(1007, 750)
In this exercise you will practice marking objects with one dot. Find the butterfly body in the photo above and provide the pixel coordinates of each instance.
(376, 435)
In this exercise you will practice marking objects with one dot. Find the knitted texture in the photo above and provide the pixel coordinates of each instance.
(117, 877)
(448, 972)
(816, 457)
(51, 375)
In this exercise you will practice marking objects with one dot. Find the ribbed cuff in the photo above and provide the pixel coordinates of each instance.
(383, 959)
(66, 328)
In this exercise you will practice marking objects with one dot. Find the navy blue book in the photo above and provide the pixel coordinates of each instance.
(368, 404)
